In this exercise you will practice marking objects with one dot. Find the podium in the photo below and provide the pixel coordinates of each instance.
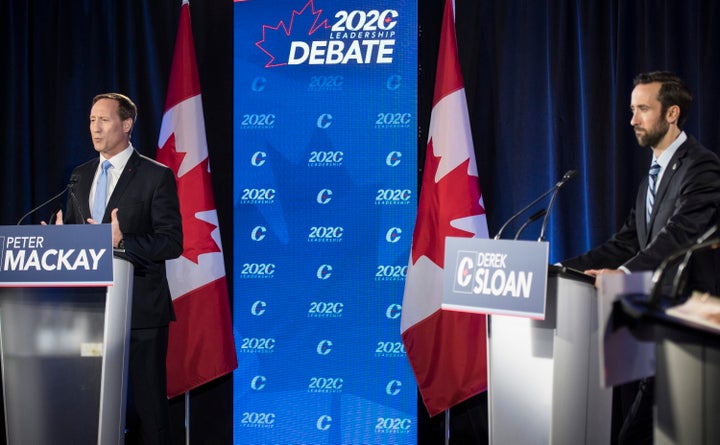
(543, 360)
(65, 305)
(687, 374)
(544, 375)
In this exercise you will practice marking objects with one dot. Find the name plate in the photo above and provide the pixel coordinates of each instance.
(49, 256)
(501, 277)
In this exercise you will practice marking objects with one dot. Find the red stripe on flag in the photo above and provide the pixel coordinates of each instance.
(184, 78)
(203, 320)
(201, 346)
(447, 350)
(450, 354)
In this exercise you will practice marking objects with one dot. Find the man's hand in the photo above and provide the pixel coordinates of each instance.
(58, 219)
(597, 272)
(117, 234)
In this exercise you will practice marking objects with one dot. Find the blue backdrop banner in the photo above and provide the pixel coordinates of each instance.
(325, 155)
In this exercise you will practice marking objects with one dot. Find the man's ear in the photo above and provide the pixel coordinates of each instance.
(672, 114)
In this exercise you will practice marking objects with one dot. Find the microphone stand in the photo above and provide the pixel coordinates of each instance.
(73, 180)
(43, 204)
(569, 175)
(659, 275)
(534, 217)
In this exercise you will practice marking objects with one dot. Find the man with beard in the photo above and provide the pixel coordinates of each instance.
(676, 203)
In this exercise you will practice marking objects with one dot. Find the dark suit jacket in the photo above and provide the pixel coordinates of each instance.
(149, 217)
(686, 206)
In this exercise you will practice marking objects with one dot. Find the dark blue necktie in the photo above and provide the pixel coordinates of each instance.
(100, 201)
(652, 185)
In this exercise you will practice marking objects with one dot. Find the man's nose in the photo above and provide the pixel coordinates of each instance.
(633, 119)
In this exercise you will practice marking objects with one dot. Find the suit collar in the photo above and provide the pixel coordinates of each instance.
(669, 172)
(124, 181)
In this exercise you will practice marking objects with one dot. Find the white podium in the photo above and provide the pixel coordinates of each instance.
(544, 375)
(64, 361)
(687, 374)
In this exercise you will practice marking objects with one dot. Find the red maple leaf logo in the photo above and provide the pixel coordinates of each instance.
(456, 195)
(195, 194)
(276, 39)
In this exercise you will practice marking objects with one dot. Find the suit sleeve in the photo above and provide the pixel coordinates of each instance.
(163, 239)
(688, 212)
(692, 212)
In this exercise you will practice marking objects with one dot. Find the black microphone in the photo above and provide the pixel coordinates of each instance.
(702, 243)
(566, 177)
(534, 217)
(74, 179)
(560, 183)
(45, 203)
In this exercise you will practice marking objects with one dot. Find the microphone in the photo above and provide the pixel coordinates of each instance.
(567, 176)
(45, 203)
(534, 217)
(74, 179)
(702, 243)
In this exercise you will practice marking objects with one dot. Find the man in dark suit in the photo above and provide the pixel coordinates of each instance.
(676, 204)
(142, 207)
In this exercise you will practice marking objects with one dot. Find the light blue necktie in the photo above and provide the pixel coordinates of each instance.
(652, 184)
(100, 201)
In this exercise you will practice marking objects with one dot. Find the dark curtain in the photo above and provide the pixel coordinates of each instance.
(548, 86)
(55, 56)
(547, 82)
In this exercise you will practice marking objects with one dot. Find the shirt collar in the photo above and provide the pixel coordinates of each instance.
(119, 160)
(669, 152)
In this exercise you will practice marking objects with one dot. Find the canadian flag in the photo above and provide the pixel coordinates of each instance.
(201, 346)
(446, 349)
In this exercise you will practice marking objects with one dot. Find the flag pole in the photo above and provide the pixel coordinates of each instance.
(203, 330)
(447, 426)
(187, 417)
(446, 349)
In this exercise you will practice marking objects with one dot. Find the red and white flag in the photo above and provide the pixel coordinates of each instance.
(201, 346)
(446, 349)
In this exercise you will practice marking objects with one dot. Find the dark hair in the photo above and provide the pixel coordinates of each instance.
(126, 107)
(672, 92)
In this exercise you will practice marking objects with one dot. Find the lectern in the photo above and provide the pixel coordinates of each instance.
(64, 332)
(543, 360)
(544, 375)
(687, 373)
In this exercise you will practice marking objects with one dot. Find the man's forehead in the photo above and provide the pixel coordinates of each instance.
(645, 93)
(104, 107)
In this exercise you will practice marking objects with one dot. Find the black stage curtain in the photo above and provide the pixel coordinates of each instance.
(548, 87)
(547, 82)
(56, 55)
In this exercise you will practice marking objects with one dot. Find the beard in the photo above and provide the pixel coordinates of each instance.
(652, 136)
